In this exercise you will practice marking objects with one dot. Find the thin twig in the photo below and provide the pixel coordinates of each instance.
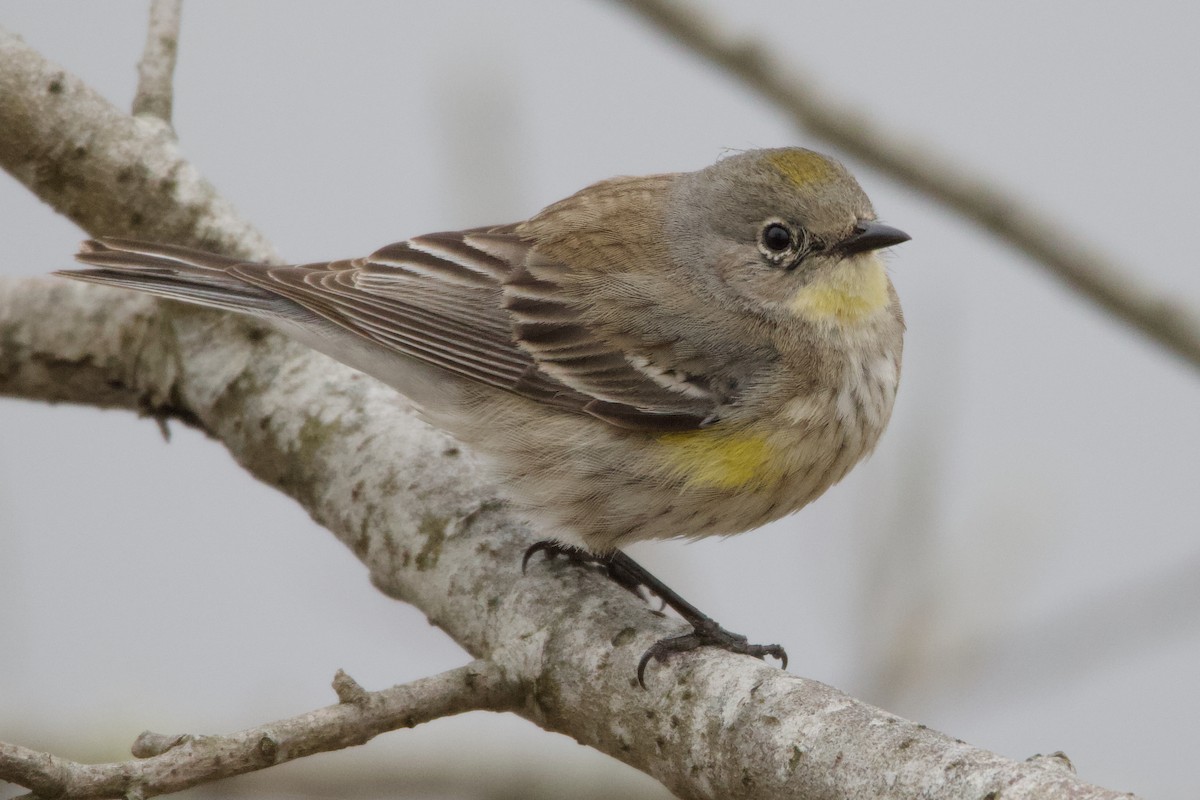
(156, 70)
(1048, 243)
(166, 764)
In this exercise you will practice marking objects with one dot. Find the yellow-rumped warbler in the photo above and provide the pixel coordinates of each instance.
(675, 355)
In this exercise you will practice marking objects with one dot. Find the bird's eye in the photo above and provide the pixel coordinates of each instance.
(776, 238)
(782, 244)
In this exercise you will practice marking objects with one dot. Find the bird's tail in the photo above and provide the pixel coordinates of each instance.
(192, 276)
(178, 273)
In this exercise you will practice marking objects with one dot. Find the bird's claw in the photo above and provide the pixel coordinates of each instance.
(551, 549)
(707, 634)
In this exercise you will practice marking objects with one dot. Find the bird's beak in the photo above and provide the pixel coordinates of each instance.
(869, 236)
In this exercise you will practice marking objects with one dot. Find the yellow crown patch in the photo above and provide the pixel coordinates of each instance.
(802, 167)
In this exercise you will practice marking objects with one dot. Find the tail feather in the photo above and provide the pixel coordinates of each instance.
(228, 284)
(176, 273)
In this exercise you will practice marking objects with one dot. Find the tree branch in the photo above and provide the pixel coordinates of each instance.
(172, 763)
(156, 70)
(1049, 244)
(107, 171)
(417, 511)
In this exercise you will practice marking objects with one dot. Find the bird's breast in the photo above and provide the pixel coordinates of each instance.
(797, 448)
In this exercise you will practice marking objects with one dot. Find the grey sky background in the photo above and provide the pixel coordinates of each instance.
(1019, 563)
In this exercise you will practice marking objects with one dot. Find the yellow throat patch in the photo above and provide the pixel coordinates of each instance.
(719, 459)
(853, 289)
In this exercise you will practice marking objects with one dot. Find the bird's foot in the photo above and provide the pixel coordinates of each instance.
(629, 574)
(707, 633)
(577, 555)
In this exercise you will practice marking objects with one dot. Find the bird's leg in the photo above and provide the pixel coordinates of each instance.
(705, 630)
(633, 576)
(577, 555)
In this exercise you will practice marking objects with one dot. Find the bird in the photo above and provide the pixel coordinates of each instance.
(677, 355)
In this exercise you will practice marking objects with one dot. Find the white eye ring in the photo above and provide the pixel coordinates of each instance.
(782, 244)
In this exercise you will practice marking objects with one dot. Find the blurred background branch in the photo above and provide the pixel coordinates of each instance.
(1047, 242)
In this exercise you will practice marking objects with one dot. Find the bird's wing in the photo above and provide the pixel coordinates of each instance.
(461, 301)
(470, 290)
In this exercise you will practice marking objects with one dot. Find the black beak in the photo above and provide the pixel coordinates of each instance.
(869, 236)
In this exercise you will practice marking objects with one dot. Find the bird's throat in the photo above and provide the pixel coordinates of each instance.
(854, 289)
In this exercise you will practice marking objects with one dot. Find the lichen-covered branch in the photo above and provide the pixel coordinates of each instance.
(1050, 245)
(416, 509)
(166, 764)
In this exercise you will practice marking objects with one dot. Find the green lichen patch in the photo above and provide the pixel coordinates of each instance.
(433, 530)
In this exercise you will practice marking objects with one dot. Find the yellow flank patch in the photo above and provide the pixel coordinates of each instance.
(718, 459)
(802, 167)
(852, 290)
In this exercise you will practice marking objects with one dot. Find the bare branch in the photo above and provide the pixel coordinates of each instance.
(419, 514)
(171, 763)
(1049, 244)
(156, 70)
